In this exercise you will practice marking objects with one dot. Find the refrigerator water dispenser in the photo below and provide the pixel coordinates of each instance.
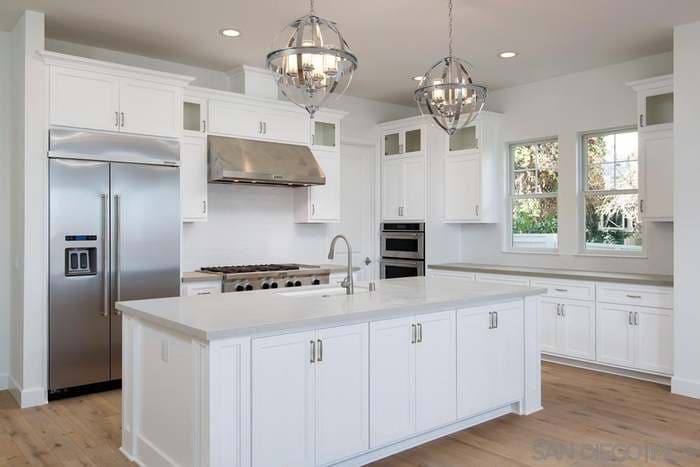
(81, 262)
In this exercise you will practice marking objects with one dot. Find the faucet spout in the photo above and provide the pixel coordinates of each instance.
(348, 282)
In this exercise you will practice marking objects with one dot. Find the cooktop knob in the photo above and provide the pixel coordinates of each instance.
(297, 284)
(316, 282)
(249, 287)
(266, 286)
(273, 285)
(240, 288)
(289, 284)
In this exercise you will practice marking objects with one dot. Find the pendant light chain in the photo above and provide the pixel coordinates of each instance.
(313, 4)
(449, 28)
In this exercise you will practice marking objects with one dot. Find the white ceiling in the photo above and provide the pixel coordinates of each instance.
(394, 39)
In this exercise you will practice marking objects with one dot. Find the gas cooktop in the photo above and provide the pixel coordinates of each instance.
(251, 268)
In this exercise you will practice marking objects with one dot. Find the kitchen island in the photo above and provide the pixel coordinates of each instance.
(313, 376)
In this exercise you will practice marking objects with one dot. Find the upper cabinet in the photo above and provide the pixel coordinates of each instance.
(96, 95)
(253, 118)
(194, 115)
(405, 140)
(655, 147)
(470, 175)
(325, 134)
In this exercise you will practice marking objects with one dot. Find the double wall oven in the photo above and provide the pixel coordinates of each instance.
(403, 250)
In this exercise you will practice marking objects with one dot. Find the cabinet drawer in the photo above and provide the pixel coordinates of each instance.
(503, 279)
(661, 297)
(201, 288)
(566, 289)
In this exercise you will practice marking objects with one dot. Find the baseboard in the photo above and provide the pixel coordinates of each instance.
(685, 387)
(26, 397)
(4, 381)
(602, 368)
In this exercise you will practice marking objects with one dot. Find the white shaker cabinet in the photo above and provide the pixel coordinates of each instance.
(83, 99)
(636, 337)
(462, 188)
(412, 375)
(567, 327)
(99, 96)
(403, 189)
(303, 385)
(193, 178)
(320, 204)
(490, 352)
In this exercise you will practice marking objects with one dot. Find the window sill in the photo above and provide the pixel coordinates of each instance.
(621, 255)
(530, 252)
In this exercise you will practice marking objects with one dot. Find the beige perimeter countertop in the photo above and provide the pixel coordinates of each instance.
(209, 317)
(596, 276)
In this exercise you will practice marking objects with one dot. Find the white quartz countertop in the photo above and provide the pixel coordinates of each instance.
(598, 276)
(209, 317)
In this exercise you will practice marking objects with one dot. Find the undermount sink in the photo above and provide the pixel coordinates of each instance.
(323, 292)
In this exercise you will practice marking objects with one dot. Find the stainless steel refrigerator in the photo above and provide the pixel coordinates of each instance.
(114, 220)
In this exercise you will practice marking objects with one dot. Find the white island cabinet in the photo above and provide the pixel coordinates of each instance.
(314, 377)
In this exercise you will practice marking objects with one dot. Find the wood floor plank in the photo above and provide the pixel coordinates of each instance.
(589, 419)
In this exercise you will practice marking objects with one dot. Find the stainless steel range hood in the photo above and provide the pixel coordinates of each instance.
(237, 160)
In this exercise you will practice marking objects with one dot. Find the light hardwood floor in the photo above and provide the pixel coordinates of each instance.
(589, 419)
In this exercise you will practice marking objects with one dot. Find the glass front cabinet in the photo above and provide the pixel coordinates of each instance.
(325, 134)
(407, 141)
(194, 116)
(654, 103)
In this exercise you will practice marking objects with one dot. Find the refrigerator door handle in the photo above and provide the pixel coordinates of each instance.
(105, 257)
(117, 249)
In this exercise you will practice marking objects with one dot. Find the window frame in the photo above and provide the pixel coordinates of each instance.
(511, 197)
(582, 192)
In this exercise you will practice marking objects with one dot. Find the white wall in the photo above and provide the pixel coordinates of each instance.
(686, 155)
(253, 224)
(5, 262)
(564, 107)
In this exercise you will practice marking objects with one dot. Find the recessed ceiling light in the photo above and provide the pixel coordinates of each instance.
(507, 54)
(230, 32)
(418, 78)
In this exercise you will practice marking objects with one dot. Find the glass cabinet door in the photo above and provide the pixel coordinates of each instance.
(392, 144)
(465, 139)
(413, 140)
(194, 116)
(324, 134)
(658, 109)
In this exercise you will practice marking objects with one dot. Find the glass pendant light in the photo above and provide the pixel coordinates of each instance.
(446, 92)
(311, 61)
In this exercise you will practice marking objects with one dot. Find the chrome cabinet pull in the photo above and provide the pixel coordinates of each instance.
(629, 318)
(634, 296)
(476, 210)
(558, 309)
(413, 334)
(118, 249)
(116, 119)
(320, 350)
(122, 114)
(636, 318)
(495, 315)
(260, 128)
(313, 209)
(105, 254)
(641, 205)
(204, 126)
(561, 290)
(563, 310)
(420, 332)
(204, 207)
(313, 352)
(490, 319)
(641, 120)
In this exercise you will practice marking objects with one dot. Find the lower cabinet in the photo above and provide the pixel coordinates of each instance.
(635, 337)
(490, 357)
(412, 375)
(310, 396)
(567, 327)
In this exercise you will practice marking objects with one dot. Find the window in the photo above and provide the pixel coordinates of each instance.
(611, 192)
(534, 186)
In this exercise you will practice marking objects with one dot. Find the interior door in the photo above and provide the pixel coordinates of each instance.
(436, 377)
(342, 392)
(392, 366)
(149, 108)
(615, 335)
(145, 239)
(283, 400)
(78, 297)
